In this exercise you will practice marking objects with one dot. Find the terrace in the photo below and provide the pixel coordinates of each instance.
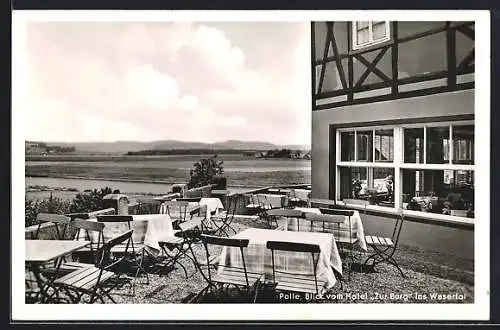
(430, 276)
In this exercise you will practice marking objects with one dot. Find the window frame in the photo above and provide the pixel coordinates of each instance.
(370, 42)
(399, 165)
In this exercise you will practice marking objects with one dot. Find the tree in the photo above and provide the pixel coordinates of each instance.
(90, 201)
(205, 171)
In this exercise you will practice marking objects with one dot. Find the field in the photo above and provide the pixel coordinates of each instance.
(241, 171)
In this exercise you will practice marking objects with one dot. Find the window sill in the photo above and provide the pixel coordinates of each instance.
(371, 47)
(413, 215)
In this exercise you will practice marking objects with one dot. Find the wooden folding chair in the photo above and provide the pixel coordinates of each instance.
(227, 275)
(385, 247)
(85, 257)
(223, 223)
(96, 282)
(338, 218)
(56, 219)
(303, 282)
(284, 213)
(180, 244)
(133, 250)
(148, 205)
(177, 211)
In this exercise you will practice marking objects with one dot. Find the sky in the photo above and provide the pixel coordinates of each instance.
(189, 81)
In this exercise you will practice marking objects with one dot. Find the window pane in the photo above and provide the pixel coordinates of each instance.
(375, 185)
(362, 24)
(463, 144)
(413, 145)
(438, 145)
(384, 145)
(347, 146)
(436, 191)
(364, 145)
(353, 180)
(362, 36)
(379, 30)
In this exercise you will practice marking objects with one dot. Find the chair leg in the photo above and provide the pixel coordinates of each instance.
(381, 256)
(256, 292)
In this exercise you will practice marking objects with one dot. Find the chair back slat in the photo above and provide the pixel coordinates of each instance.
(293, 246)
(188, 199)
(224, 241)
(55, 218)
(285, 213)
(117, 240)
(347, 213)
(115, 218)
(81, 215)
(88, 225)
(325, 217)
(107, 211)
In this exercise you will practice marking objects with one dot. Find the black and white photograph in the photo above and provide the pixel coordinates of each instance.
(321, 165)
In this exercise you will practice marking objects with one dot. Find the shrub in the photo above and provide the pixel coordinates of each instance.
(51, 205)
(90, 200)
(205, 171)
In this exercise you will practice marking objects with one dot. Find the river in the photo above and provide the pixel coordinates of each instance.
(83, 184)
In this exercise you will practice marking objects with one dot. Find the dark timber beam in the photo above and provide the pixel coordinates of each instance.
(374, 68)
(467, 60)
(350, 65)
(371, 66)
(338, 61)
(313, 66)
(451, 55)
(394, 59)
(466, 31)
(323, 66)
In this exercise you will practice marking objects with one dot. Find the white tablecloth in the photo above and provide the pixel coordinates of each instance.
(302, 194)
(276, 201)
(356, 225)
(213, 205)
(148, 229)
(258, 257)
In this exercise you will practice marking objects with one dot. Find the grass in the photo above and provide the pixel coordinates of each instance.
(165, 175)
(239, 170)
(428, 280)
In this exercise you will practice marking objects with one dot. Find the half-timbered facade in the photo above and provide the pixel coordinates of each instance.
(393, 116)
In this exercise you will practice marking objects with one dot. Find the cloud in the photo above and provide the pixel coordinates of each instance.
(106, 81)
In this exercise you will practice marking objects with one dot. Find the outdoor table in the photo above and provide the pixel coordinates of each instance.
(276, 201)
(148, 229)
(258, 258)
(39, 252)
(305, 225)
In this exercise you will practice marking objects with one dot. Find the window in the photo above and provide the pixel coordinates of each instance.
(362, 177)
(423, 167)
(368, 33)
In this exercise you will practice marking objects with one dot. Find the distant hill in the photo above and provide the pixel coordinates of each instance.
(125, 146)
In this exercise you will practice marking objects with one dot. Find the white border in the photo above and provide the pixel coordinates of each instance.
(478, 311)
